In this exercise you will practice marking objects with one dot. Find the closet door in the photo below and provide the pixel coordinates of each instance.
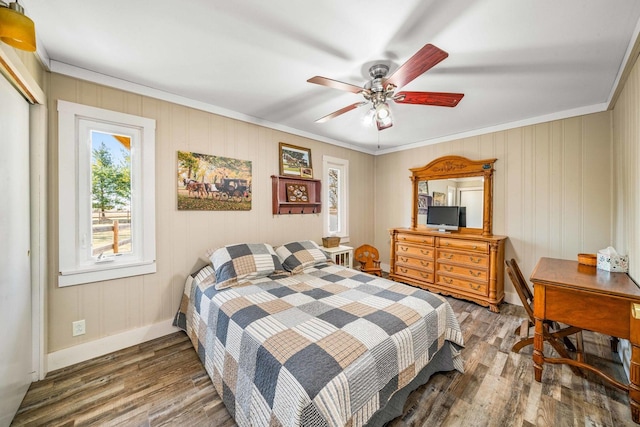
(15, 276)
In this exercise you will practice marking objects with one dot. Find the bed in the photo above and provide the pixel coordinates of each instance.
(289, 338)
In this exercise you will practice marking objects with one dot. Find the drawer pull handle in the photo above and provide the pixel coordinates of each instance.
(404, 270)
(404, 259)
(475, 246)
(449, 256)
(446, 244)
(424, 275)
(402, 248)
(475, 261)
(475, 288)
(449, 269)
(448, 281)
(424, 252)
(424, 263)
(474, 274)
(424, 240)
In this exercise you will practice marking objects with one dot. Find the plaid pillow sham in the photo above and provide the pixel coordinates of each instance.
(235, 264)
(296, 256)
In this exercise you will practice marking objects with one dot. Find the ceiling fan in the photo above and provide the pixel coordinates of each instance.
(380, 89)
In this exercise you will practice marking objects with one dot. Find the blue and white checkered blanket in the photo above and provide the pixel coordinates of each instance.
(325, 347)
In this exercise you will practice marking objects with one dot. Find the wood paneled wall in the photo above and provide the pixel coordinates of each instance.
(552, 187)
(626, 184)
(552, 197)
(183, 236)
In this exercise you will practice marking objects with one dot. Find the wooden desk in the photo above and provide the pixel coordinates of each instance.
(591, 299)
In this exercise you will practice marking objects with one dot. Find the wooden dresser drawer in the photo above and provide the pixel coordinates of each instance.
(463, 284)
(424, 252)
(461, 270)
(465, 245)
(407, 261)
(413, 238)
(414, 273)
(470, 259)
(464, 264)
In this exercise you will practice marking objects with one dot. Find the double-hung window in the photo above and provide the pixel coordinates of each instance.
(106, 172)
(336, 184)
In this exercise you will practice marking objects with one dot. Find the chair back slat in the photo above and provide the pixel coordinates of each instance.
(520, 284)
(368, 257)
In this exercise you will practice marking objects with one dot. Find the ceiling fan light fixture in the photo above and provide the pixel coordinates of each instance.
(383, 116)
(369, 117)
(382, 111)
(16, 29)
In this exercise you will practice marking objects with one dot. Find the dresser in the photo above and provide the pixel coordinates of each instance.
(466, 266)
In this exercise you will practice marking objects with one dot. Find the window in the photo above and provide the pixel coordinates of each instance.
(106, 194)
(336, 183)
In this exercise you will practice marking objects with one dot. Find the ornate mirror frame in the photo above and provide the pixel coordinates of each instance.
(449, 167)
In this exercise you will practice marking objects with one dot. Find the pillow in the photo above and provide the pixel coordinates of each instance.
(296, 256)
(235, 264)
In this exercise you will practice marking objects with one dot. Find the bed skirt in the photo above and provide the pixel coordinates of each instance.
(442, 362)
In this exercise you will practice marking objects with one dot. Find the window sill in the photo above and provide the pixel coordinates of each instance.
(105, 271)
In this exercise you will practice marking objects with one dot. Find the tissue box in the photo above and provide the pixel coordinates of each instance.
(610, 260)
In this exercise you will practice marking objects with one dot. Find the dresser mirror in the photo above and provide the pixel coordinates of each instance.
(455, 181)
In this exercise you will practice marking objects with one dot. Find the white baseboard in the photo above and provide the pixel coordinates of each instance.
(100, 347)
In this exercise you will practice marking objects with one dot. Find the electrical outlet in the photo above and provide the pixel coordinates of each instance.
(78, 328)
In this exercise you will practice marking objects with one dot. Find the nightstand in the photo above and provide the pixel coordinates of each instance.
(341, 255)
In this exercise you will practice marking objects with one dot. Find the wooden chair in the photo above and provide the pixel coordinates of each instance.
(368, 257)
(556, 336)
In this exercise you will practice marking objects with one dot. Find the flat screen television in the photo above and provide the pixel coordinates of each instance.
(443, 218)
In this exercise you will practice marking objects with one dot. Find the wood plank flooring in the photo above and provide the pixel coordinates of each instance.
(162, 383)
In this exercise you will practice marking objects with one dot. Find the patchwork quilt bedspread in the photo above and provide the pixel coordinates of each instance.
(325, 347)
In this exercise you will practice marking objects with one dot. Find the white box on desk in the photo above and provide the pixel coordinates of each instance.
(610, 260)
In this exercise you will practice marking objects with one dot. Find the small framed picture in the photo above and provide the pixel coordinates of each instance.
(306, 173)
(293, 159)
(297, 193)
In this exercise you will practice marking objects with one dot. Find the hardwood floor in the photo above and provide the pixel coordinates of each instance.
(162, 382)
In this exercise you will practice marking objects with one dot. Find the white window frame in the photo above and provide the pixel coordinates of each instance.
(343, 165)
(76, 263)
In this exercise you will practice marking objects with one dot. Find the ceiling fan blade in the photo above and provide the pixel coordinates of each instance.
(323, 81)
(340, 111)
(440, 99)
(424, 59)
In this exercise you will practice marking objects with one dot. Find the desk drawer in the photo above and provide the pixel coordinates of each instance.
(415, 238)
(478, 288)
(414, 273)
(465, 245)
(407, 261)
(461, 270)
(470, 259)
(424, 252)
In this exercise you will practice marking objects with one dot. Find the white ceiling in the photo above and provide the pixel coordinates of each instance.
(517, 62)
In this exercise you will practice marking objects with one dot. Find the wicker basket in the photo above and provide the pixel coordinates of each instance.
(331, 242)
